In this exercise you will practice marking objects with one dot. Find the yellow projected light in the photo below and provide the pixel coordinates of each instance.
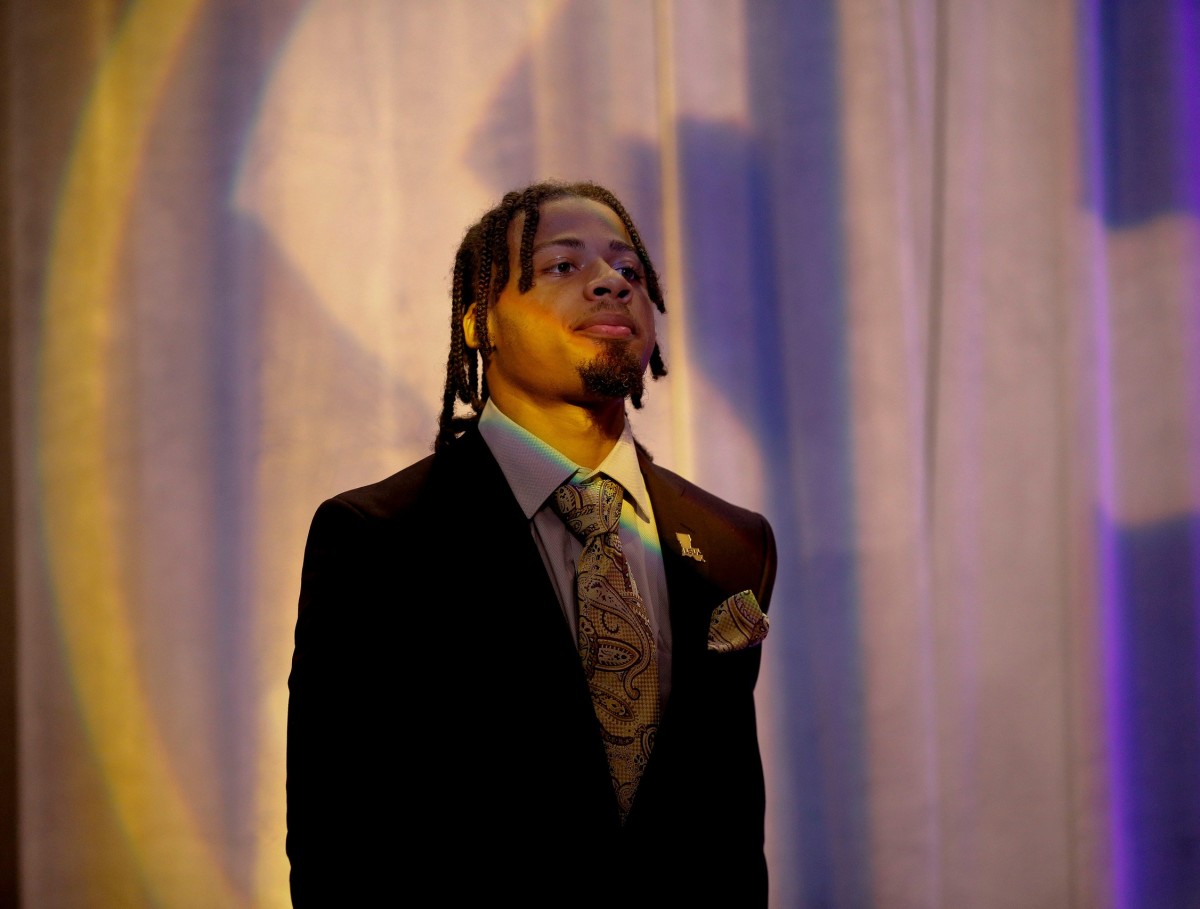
(76, 491)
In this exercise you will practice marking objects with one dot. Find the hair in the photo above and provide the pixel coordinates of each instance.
(481, 272)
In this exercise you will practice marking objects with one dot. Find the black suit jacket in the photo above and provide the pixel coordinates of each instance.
(440, 732)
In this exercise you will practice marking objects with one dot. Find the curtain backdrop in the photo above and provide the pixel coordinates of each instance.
(933, 285)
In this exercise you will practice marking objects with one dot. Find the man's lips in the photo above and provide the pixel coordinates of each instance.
(607, 324)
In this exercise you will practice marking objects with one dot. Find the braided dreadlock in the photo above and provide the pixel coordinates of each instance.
(481, 272)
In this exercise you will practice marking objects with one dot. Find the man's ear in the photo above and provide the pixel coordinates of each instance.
(468, 324)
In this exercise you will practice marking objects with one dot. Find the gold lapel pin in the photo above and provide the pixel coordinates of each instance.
(686, 547)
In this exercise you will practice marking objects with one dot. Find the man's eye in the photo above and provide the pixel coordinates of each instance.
(629, 273)
(561, 267)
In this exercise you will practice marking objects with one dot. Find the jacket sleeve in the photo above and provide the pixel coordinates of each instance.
(336, 734)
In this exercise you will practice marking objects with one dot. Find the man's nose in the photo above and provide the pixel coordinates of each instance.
(609, 282)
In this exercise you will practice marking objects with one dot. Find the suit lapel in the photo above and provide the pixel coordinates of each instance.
(692, 595)
(520, 700)
(496, 532)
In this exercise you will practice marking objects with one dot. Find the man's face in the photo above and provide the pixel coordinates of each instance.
(584, 332)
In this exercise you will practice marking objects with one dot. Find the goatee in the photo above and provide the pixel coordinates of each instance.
(616, 373)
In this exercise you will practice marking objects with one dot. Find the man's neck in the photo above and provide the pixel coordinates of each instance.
(584, 433)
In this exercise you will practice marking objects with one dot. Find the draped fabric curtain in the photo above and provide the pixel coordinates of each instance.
(933, 286)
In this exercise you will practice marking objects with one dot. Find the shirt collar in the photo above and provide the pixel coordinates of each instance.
(534, 469)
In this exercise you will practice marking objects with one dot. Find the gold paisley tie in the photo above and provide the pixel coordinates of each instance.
(615, 640)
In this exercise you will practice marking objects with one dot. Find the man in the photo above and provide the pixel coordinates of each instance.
(500, 691)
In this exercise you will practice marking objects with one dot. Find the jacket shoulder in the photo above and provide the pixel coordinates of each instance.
(697, 499)
(438, 481)
(391, 495)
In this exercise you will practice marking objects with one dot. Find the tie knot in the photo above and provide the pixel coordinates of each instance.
(591, 507)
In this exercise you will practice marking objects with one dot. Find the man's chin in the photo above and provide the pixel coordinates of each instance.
(617, 373)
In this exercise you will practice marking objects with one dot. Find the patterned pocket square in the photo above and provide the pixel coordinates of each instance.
(737, 623)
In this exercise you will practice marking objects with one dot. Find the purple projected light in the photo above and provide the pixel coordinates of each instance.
(1140, 95)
